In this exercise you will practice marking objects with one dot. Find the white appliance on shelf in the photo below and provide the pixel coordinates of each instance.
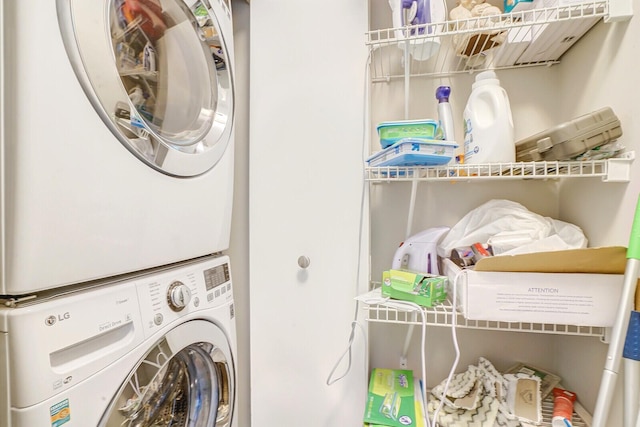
(116, 137)
(139, 351)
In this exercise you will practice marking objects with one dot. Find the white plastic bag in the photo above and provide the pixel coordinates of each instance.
(511, 229)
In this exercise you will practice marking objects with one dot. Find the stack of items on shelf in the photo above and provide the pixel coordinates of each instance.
(480, 396)
(489, 137)
(412, 143)
(483, 397)
(418, 142)
(414, 274)
(501, 262)
(506, 263)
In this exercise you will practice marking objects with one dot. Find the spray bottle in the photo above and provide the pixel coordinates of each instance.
(444, 112)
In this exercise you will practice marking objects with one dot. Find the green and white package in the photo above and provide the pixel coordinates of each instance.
(390, 400)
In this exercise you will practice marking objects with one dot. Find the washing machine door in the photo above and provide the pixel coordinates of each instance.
(159, 74)
(185, 380)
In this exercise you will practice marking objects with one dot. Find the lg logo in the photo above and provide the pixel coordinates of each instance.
(51, 320)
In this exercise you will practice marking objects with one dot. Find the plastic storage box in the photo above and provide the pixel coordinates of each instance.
(571, 139)
(415, 152)
(392, 132)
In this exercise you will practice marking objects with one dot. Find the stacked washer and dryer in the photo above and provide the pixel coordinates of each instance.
(116, 187)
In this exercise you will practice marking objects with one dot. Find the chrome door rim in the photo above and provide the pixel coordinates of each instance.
(210, 340)
(86, 31)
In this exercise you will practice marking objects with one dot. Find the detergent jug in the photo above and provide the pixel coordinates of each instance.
(488, 124)
(418, 12)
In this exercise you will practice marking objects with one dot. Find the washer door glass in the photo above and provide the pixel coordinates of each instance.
(181, 382)
(158, 72)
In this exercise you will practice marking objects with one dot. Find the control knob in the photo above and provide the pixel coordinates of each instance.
(178, 296)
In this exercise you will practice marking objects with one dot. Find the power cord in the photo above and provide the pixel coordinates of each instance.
(456, 346)
(348, 352)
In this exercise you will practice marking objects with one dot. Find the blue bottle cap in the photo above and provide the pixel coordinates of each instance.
(442, 93)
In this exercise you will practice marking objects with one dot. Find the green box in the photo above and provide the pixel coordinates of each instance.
(390, 399)
(392, 132)
(419, 408)
(424, 290)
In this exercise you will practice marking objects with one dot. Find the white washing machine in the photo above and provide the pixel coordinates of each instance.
(116, 137)
(157, 349)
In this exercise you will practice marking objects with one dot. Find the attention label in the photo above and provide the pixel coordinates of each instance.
(60, 413)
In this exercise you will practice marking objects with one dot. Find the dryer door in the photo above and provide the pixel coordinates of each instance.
(158, 72)
(185, 380)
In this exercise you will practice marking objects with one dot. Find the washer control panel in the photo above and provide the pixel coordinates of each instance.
(168, 296)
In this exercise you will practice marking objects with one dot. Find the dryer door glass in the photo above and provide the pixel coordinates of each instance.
(178, 384)
(158, 72)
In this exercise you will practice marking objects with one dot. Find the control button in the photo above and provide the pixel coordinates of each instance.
(210, 297)
(196, 302)
(178, 296)
(157, 319)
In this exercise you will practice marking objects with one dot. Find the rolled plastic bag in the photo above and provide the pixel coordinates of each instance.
(511, 229)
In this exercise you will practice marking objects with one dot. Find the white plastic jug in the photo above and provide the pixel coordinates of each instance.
(488, 124)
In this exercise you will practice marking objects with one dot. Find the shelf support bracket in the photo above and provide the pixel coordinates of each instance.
(619, 10)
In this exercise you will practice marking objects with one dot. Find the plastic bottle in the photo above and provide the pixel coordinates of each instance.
(562, 407)
(488, 124)
(444, 112)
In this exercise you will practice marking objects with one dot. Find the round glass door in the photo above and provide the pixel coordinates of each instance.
(158, 72)
(181, 382)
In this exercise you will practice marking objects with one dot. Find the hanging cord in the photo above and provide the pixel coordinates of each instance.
(348, 352)
(412, 306)
(454, 336)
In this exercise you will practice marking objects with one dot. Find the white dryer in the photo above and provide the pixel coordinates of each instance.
(157, 349)
(116, 137)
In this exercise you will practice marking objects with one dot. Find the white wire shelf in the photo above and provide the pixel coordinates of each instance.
(610, 170)
(510, 40)
(442, 315)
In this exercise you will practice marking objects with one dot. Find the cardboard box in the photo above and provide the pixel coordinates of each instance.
(390, 400)
(579, 298)
(418, 404)
(424, 290)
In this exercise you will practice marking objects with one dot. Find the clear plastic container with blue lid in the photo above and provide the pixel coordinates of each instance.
(392, 132)
(415, 152)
